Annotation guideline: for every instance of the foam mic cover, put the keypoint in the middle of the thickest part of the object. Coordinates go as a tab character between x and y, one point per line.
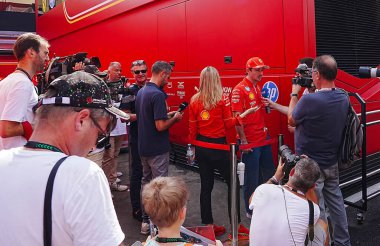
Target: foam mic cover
265	94
182	106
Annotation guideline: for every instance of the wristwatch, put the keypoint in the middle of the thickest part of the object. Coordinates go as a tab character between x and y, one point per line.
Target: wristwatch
293	95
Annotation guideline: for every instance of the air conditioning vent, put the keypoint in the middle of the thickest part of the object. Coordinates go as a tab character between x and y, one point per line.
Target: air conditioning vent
350	31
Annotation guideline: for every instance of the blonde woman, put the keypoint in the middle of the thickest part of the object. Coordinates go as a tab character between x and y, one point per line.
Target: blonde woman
209	118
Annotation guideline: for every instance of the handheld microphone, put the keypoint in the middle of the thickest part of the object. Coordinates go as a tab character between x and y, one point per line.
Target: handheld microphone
182	106
265	94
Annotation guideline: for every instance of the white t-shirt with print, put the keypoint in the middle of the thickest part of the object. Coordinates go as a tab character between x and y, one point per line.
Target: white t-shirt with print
269	224
82	208
17	99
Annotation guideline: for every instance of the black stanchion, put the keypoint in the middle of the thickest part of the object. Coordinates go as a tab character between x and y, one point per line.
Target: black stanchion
234	214
280	143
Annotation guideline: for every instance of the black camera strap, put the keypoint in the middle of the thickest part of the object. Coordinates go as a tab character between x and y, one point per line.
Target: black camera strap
24	72
47	203
310	233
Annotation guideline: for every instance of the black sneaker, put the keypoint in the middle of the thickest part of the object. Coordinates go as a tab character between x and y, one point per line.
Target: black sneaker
137	215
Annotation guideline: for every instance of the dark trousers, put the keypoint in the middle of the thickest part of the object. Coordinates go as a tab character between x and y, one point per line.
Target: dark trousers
208	160
135	170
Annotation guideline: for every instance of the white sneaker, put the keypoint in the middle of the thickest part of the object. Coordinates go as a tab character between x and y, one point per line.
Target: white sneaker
144	228
119	174
248	215
118	180
118	187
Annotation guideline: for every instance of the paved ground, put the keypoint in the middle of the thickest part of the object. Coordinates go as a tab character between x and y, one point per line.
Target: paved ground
366	234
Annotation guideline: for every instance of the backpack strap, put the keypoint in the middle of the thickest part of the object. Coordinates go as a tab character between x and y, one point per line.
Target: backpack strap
310	232
47	202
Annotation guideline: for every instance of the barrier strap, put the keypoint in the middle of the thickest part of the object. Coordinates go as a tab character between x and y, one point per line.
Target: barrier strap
227	147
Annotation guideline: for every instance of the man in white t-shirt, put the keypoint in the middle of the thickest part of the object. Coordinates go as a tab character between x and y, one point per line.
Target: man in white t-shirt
74	111
281	213
17	92
118	135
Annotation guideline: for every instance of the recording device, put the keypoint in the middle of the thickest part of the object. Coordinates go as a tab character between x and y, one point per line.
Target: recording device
303	77
63	65
182	106
369	72
128	94
290	160
265	94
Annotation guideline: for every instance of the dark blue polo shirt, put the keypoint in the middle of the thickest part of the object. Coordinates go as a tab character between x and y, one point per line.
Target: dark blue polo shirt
320	119
151	106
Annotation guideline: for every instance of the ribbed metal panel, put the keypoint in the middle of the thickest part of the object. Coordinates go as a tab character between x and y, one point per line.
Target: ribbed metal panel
349	30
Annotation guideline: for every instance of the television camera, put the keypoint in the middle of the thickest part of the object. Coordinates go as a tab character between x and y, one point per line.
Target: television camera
63	65
303	77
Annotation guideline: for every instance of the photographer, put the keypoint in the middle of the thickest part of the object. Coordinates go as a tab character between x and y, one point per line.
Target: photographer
319	119
117	136
17	92
284	210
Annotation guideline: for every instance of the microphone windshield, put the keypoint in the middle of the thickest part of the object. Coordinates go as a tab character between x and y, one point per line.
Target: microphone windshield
182	106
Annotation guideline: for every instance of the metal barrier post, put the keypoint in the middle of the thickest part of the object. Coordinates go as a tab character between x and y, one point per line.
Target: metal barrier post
364	155
280	143
234	212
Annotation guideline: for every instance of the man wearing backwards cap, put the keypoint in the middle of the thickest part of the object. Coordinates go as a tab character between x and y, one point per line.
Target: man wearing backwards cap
258	160
72	113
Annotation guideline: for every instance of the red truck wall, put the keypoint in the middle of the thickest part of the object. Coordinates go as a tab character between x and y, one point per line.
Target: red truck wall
193	34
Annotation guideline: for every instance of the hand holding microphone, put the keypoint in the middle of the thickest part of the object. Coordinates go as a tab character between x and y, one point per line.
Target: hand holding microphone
265	94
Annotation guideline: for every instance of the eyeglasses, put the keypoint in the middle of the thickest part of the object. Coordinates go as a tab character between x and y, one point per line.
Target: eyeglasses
103	135
139	71
138	63
101	132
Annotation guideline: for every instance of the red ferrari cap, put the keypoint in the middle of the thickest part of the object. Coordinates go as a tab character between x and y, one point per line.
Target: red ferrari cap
256	62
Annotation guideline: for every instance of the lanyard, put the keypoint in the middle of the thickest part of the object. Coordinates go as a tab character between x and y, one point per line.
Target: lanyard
169	240
24	72
294	190
38	145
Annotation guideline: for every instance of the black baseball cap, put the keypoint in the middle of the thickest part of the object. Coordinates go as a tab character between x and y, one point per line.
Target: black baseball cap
82	89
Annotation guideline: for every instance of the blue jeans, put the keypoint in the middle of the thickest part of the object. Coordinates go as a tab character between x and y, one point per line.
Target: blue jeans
330	195
259	167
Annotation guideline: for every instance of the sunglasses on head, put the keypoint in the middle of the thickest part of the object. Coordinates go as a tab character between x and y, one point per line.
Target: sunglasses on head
138	63
139	71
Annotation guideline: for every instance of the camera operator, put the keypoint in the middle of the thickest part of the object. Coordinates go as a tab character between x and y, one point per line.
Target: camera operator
17	92
139	71
319	119
117	136
284	210
67	125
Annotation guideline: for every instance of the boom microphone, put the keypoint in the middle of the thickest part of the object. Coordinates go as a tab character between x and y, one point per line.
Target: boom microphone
265	94
182	106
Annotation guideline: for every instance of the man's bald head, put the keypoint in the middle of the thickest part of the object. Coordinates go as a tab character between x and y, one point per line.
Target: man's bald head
326	66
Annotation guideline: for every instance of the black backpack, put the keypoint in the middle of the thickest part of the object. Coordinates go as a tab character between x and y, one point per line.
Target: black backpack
352	139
